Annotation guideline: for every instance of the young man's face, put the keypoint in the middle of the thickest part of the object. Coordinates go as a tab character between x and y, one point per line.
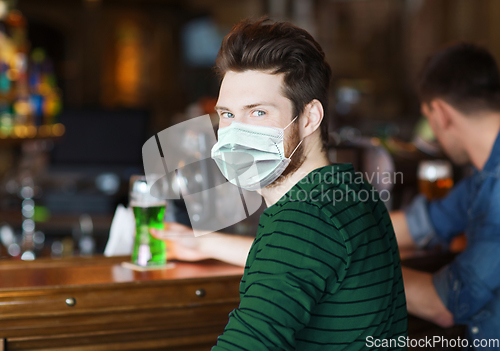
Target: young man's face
256	97
253	97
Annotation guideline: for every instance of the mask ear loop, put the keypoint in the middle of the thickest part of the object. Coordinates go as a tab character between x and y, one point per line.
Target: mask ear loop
289	157
300	142
293	120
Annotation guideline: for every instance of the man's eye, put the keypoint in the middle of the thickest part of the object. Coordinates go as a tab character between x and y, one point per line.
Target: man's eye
227	115
258	113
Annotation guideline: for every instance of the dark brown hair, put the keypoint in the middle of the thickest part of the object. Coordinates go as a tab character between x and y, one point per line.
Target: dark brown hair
280	47
465	75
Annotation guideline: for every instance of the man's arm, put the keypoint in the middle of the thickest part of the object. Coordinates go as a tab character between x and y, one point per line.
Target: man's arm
230	248
184	246
403	235
422	299
290	271
460	289
425	223
471	280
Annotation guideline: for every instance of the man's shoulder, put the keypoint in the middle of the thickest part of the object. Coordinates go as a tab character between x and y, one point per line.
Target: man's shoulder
304	221
326	186
301	213
335	193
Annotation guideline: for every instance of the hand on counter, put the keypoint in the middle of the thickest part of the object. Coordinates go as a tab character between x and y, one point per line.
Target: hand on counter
184	246
181	243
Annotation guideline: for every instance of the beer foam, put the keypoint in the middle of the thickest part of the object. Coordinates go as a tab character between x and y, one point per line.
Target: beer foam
433	170
147	203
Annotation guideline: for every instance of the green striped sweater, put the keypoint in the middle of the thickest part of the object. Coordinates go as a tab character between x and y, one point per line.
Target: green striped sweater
323	272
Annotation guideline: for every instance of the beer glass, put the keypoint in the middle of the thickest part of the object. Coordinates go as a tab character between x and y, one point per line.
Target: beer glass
435	178
149	212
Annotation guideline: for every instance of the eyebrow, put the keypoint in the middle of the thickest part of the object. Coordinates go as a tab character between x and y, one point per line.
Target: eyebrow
247	107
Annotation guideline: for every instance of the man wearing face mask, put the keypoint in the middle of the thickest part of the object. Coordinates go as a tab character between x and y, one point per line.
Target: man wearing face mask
323	272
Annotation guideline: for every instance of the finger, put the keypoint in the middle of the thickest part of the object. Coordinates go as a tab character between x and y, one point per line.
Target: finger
155	232
179	229
176	226
169	235
160	234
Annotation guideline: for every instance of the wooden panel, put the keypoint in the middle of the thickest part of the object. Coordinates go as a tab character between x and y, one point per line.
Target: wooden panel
194	317
133	339
116	298
116	309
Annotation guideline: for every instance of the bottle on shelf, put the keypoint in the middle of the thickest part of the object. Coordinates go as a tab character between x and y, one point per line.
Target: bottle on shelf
30	99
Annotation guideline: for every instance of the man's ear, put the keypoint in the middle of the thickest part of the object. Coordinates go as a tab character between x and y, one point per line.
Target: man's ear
312	117
442	113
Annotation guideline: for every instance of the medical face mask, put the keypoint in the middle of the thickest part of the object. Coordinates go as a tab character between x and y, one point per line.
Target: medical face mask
251	156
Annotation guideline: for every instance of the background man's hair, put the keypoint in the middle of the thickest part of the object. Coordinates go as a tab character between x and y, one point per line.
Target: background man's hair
465	75
280	47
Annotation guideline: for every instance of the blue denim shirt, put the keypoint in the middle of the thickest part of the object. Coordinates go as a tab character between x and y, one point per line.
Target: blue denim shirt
470	285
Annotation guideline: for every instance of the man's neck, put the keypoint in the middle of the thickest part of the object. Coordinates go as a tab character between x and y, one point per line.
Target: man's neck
480	138
312	161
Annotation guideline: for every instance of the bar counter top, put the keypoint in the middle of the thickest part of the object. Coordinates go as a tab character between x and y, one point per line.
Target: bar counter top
100	270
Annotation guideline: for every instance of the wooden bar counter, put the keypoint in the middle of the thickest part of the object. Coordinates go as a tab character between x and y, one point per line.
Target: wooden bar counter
96	304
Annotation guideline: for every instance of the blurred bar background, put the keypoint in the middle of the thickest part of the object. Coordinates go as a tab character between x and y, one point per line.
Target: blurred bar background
84	83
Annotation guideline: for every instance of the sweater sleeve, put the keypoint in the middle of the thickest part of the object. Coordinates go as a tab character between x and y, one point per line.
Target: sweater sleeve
298	257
